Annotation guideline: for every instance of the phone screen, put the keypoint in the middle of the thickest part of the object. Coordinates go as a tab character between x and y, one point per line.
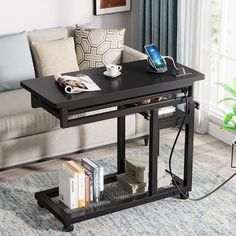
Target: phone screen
155	56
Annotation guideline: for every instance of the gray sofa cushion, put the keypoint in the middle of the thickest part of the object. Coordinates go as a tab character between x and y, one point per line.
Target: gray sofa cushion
18	118
15	61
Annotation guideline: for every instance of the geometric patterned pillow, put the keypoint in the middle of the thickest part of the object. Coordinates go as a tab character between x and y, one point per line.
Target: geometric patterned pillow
98	47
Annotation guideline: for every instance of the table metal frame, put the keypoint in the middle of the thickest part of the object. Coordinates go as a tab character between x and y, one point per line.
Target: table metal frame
124	108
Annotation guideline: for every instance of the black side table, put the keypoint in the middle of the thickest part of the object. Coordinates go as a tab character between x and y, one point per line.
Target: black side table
134	85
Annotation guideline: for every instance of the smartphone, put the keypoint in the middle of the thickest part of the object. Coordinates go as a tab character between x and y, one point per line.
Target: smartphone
155	57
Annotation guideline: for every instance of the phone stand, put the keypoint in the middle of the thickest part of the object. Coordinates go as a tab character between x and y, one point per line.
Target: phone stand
151	69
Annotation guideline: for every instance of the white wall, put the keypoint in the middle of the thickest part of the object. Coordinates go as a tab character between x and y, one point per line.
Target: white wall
19	15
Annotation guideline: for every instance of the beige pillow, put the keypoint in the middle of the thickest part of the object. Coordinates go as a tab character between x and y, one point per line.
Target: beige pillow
46	35
55	56
98	47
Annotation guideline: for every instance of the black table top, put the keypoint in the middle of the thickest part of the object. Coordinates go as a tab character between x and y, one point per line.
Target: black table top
135	81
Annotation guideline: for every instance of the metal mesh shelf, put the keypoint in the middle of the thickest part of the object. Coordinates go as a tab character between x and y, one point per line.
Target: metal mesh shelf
113	192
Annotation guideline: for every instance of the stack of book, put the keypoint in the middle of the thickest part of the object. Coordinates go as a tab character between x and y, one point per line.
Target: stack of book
135	179
80	185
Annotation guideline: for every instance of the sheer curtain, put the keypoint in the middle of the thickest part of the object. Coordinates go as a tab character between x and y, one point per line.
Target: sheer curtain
194	29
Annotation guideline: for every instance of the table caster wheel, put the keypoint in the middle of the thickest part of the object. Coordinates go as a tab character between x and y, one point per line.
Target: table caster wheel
68	228
184	196
40	204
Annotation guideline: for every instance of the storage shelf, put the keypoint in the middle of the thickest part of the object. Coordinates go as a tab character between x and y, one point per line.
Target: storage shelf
49	199
113	192
114	195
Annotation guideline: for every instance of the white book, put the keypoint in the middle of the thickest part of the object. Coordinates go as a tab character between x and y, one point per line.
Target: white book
67	192
80	175
166	110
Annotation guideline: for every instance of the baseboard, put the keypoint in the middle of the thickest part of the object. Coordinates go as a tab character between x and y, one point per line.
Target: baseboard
216	131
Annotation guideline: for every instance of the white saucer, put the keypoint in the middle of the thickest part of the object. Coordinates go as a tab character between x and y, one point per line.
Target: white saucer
111	76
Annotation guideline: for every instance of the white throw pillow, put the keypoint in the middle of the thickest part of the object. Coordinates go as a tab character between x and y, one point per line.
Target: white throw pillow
55	57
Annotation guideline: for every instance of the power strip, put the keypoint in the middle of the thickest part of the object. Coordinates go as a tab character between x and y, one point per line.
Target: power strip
177	74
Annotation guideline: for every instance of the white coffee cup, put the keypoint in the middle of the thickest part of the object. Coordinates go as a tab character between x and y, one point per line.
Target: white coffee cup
113	69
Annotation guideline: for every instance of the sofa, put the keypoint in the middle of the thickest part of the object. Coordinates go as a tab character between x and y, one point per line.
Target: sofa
28	135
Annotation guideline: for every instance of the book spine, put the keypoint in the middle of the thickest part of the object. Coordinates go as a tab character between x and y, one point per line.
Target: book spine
87	190
67	168
95	175
101	175
81	190
96	186
67	190
79	172
91	188
73	197
90	175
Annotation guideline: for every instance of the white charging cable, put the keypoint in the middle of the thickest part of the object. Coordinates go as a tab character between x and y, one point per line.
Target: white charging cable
178	69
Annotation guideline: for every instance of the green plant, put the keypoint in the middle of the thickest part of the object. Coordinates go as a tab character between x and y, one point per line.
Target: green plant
229	123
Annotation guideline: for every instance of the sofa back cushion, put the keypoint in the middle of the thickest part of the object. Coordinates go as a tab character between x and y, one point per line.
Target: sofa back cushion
98	47
55	56
15	61
45	35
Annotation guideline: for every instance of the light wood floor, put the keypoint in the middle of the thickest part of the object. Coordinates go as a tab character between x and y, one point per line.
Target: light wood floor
210	152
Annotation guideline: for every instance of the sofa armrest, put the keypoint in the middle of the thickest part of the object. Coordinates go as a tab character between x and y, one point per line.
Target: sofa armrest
130	54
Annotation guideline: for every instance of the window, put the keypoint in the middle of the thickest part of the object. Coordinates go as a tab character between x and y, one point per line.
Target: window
219	46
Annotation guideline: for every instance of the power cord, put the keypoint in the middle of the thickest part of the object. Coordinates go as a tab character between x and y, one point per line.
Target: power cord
171	154
178	69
